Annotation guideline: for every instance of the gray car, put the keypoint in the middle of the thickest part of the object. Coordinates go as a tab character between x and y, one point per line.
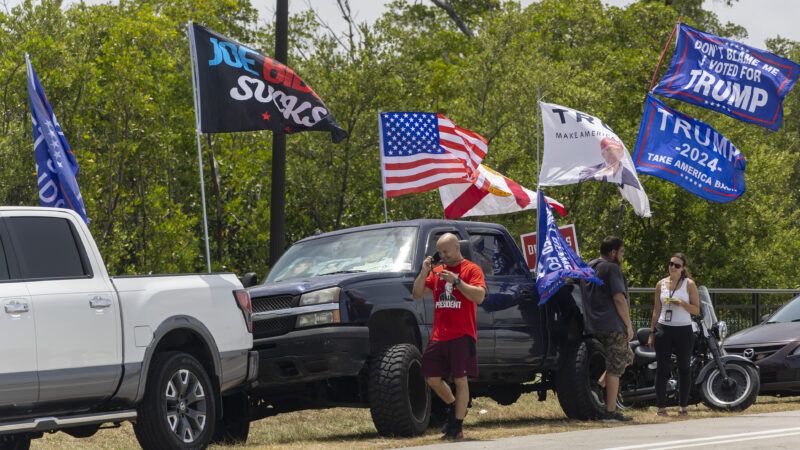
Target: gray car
774	345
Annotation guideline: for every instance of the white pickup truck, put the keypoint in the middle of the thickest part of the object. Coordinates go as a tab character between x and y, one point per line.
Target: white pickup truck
79	349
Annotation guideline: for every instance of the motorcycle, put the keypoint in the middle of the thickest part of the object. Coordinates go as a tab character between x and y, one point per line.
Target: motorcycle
720	381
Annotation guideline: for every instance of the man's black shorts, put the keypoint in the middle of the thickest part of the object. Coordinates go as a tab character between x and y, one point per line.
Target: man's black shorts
455	358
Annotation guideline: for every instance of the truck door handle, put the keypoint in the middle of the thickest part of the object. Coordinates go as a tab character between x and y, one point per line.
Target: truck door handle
100	302
16	307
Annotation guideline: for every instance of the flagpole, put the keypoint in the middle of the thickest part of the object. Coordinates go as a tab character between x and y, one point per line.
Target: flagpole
539	127
195	89
383	174
538	134
664	52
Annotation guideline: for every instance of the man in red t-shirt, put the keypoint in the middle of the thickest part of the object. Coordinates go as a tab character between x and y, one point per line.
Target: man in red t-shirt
457	289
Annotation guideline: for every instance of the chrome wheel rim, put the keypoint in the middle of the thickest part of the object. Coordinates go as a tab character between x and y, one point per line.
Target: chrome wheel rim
185	401
730	396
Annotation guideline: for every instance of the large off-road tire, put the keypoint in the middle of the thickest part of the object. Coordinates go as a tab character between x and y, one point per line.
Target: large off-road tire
399	398
575	383
734	398
15	442
234	425
179	406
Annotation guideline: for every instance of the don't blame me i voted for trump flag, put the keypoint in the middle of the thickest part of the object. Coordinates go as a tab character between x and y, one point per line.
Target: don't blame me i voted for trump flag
243	90
728	77
579	147
56	166
689	153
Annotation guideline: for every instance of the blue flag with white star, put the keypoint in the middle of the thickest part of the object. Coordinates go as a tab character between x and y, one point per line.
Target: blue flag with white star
56	166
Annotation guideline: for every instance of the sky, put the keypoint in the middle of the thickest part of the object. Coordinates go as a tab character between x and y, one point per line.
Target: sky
762	18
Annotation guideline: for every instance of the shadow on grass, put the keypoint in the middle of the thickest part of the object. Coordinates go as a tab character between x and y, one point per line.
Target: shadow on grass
510	423
524	422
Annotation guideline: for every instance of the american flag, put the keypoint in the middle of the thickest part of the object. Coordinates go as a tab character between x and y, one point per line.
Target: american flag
422	151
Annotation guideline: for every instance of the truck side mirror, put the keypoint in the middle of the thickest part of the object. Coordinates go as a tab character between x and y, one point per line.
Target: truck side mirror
765	317
249	279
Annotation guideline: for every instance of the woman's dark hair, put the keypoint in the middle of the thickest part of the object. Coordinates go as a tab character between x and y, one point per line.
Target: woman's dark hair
685	269
610	244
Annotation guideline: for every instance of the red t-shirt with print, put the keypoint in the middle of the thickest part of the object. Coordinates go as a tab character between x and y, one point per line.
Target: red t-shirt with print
454	314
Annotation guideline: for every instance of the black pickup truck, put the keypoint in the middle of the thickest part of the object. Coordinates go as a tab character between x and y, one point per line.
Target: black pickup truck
335	324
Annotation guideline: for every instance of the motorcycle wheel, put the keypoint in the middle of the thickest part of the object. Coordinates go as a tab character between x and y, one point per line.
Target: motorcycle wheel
736	396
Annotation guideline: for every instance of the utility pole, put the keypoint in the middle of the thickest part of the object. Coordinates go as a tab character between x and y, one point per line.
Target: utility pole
277	221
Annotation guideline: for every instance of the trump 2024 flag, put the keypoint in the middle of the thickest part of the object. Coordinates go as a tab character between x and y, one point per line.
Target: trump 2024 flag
556	261
579	147
56	166
689	153
492	193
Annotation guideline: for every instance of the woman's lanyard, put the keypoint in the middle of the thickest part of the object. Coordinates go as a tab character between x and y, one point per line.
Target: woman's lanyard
668	312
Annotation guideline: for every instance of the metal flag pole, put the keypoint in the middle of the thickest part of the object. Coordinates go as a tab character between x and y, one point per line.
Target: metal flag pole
277	207
664	52
383	174
539	126
196	92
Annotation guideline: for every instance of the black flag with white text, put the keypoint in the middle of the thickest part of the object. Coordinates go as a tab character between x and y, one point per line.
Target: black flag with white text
240	89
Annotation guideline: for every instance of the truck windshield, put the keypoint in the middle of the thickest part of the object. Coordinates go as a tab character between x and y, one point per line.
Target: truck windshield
380	250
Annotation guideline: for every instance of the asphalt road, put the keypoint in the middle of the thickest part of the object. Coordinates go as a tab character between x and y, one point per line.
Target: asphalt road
771	431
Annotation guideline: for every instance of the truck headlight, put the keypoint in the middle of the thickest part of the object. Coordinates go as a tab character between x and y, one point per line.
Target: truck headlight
329	295
318	318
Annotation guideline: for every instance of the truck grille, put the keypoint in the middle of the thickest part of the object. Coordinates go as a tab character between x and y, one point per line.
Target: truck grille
273	327
278	326
263	304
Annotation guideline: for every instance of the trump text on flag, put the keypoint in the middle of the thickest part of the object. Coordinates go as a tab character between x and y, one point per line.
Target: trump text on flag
689	153
729	77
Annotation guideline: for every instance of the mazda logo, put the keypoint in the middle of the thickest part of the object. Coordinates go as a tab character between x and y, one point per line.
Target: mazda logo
749	353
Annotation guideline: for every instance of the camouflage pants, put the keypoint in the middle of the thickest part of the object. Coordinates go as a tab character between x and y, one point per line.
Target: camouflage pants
617	349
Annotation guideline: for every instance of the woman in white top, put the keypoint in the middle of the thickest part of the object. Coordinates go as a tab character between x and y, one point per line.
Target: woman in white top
676	300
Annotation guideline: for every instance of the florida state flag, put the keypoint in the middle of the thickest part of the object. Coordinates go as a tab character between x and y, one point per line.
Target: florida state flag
490	193
240	89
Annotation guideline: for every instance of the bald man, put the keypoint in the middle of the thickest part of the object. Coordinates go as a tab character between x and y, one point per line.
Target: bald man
457	288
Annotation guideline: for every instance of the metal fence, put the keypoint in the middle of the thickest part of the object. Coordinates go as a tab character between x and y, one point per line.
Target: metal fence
739	308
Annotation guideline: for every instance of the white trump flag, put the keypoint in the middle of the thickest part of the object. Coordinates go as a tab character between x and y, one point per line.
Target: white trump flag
579	147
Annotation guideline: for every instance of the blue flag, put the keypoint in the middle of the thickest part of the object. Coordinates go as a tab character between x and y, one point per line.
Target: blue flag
689	153
556	260
56	166
728	77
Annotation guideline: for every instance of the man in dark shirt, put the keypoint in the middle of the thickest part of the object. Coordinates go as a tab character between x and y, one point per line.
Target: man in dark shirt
608	313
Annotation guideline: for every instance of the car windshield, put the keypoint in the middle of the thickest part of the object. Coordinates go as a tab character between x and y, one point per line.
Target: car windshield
379	250
789	313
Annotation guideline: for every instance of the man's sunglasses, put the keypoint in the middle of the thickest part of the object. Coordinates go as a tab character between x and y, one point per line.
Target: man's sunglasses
675	265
